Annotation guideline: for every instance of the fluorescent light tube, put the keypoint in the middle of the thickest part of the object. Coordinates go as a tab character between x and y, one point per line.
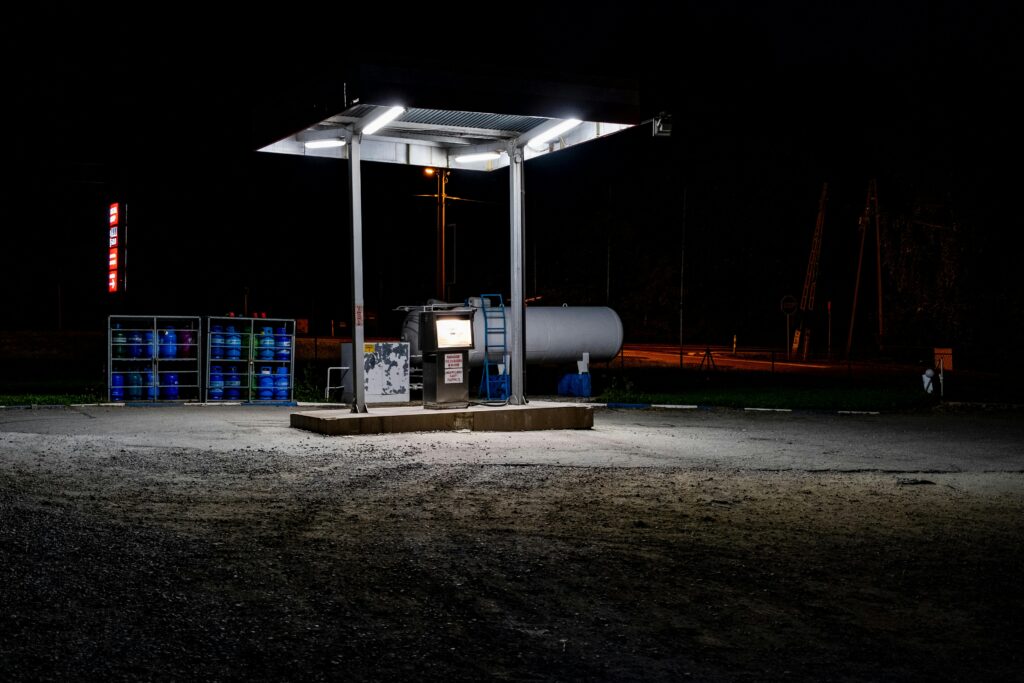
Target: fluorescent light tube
382	120
322	144
482	156
552	133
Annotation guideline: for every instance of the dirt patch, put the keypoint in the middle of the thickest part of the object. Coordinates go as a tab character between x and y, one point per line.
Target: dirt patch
353	562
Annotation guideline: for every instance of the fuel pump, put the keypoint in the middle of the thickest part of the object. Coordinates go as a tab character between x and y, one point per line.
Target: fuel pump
446	338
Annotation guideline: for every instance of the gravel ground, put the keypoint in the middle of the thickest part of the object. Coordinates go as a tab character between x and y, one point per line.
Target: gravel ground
159	544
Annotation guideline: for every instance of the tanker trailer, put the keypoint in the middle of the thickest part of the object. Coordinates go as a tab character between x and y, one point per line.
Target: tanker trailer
554	334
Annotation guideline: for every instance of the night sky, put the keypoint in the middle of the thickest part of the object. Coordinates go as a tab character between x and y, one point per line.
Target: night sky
163	110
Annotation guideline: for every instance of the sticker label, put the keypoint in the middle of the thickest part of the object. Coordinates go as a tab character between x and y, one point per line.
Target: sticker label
453	368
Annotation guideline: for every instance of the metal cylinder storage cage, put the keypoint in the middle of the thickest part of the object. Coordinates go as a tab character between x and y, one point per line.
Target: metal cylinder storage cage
153	358
250	360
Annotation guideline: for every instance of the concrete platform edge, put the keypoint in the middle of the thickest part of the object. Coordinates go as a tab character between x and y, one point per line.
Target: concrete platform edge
509	419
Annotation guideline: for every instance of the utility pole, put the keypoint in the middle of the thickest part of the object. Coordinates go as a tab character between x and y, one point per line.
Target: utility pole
870	214
442	204
442	198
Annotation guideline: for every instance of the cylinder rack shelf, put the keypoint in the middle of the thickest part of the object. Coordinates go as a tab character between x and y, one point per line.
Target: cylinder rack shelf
250	360
153	358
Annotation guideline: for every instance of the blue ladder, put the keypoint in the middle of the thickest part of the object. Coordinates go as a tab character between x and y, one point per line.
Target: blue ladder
494	383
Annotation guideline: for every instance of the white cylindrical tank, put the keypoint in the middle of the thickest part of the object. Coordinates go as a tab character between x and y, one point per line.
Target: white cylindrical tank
554	334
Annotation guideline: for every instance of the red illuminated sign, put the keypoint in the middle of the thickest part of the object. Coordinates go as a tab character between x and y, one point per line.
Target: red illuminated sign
114	274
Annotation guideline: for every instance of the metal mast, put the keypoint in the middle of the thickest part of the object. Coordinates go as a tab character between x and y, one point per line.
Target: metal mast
803	331
869	215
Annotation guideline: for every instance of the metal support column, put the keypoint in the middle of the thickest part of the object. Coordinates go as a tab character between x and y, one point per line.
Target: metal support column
355	193
516	301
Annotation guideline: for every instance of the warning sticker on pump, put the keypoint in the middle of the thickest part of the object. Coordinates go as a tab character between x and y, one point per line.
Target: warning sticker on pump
453	368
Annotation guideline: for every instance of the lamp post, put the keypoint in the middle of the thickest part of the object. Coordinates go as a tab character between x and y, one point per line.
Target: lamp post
442	205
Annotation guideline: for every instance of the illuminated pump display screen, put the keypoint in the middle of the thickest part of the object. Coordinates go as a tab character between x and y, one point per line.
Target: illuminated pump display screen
454	333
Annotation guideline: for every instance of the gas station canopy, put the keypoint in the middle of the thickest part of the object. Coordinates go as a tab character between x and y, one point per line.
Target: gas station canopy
443	111
452	128
472	141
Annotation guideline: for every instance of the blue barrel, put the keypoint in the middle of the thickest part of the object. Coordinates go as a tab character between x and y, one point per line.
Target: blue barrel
116	386
168	343
149	346
281	384
135	344
216	383
283	347
147	381
118	342
134	385
267	344
232	384
169	388
233	341
216	341
265	384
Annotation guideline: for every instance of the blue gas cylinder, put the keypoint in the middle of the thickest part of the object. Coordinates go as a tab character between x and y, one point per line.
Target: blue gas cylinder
232	384
265	384
281	384
116	386
118	342
134	385
267	344
147	380
283	348
149	348
216	341
169	389
168	343
216	383
233	342
135	344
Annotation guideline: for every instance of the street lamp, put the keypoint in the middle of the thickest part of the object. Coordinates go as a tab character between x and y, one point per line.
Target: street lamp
442	204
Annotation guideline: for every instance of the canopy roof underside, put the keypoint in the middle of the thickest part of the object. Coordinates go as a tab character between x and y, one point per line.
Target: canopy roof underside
440	137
